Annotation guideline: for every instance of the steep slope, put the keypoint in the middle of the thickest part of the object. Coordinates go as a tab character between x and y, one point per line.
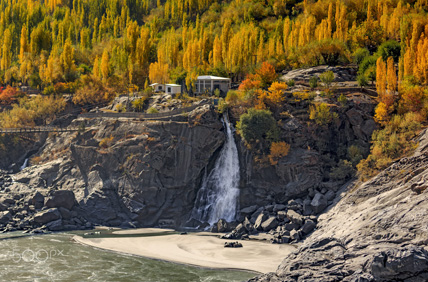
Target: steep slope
375	232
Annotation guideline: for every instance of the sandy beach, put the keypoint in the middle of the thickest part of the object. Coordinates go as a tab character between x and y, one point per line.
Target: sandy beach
199	249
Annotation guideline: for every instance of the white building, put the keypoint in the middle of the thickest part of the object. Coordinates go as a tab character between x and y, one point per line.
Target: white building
208	84
173	88
158	87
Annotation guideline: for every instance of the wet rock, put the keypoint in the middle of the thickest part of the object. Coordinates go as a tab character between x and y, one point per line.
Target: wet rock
232	245
269	224
61	198
214	228
319	203
47	216
222	226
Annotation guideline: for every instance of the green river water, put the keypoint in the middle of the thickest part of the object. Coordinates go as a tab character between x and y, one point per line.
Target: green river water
55	257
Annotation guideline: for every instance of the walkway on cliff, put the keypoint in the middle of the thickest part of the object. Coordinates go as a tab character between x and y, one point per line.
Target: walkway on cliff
43	129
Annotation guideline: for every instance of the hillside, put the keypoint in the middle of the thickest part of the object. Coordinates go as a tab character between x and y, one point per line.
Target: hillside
375	231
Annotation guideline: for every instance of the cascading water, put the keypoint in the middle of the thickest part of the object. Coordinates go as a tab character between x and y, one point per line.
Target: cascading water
218	196
24	165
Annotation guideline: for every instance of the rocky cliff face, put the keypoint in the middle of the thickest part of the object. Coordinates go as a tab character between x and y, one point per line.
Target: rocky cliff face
376	231
121	173
315	150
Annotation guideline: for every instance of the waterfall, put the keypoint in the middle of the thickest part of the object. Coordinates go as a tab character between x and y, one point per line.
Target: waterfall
24	165
218	196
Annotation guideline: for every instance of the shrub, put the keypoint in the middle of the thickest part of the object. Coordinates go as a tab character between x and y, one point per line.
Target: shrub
313	82
278	150
257	126
321	114
152	111
251	82
391	143
106	142
305	95
362	80
327	78
360	54
343	171
342	100
232	97
49	90
139	103
93	92
366	64
291	82
120	108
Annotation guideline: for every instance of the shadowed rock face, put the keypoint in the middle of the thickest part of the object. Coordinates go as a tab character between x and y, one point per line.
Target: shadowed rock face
376	232
145	174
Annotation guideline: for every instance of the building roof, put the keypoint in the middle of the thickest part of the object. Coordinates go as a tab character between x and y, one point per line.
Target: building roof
174	85
211	77
154	84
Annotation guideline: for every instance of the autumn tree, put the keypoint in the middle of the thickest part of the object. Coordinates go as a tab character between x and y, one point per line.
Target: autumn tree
266	74
158	72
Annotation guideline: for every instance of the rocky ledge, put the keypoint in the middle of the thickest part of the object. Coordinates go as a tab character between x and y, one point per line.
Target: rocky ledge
375	232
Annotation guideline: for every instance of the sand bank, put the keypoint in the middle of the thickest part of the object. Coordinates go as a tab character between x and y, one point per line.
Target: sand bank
199	249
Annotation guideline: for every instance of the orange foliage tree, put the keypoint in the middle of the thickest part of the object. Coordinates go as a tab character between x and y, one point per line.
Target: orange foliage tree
278	150
8	95
266	74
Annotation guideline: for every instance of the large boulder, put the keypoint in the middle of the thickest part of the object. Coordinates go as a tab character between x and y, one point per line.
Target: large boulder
46	216
294	217
309	226
269	223
61	198
260	219
319	203
223	226
399	264
55	225
37	200
5	217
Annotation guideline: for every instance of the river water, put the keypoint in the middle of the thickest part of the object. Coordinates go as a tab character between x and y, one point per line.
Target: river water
55	257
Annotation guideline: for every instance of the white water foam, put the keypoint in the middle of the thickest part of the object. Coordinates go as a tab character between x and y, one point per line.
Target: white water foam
219	193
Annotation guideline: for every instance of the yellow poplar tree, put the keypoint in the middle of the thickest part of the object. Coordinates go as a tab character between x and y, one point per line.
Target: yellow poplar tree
105	65
391	76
